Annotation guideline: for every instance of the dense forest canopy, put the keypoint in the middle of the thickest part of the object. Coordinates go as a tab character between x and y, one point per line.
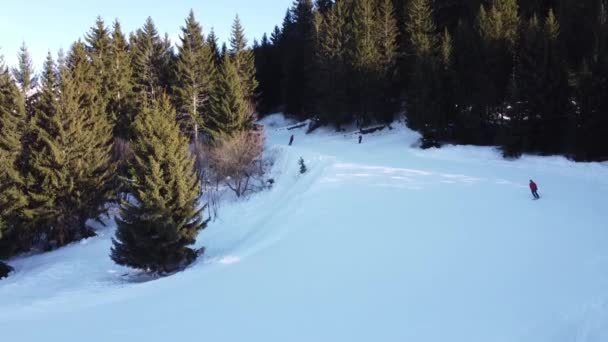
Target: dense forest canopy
528	75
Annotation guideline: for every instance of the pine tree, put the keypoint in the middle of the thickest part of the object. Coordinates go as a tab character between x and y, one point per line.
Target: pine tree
364	58
542	86
149	57
422	106
46	102
387	38
498	28
195	69
298	50
120	84
243	59
331	76
25	76
154	231
214	47
13	198
72	171
447	106
229	112
99	49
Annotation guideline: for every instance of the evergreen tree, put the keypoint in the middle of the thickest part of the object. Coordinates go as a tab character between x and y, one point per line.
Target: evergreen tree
99	49
243	59
154	231
13	198
120	84
25	76
423	110
331	76
149	57
447	84
229	112
365	90
195	69
214	48
542	87
498	27
46	102
387	38
298	58
71	173
267	63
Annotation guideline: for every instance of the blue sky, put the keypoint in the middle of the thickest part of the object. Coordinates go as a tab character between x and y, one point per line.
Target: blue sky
55	24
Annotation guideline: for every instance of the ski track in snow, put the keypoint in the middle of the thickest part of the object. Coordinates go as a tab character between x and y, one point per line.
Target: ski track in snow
376	242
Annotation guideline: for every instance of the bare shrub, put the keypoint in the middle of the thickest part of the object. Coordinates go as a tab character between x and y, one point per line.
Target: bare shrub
236	160
121	151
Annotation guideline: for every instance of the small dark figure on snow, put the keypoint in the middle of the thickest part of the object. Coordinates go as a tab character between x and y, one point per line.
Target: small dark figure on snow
534	189
303	168
291	140
360	138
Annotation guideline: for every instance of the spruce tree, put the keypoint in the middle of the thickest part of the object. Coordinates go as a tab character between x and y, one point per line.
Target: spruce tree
212	43
229	111
194	70
13	196
120	84
99	49
149	57
25	76
364	56
498	28
243	59
446	85
155	230
422	106
298	50
71	173
331	76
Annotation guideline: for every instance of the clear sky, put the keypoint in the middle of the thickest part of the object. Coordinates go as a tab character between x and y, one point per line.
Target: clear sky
54	24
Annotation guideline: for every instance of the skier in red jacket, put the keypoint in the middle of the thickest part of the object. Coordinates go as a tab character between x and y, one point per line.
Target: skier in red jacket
534	189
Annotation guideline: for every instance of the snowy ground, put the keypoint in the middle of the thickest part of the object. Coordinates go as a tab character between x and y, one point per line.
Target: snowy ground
377	242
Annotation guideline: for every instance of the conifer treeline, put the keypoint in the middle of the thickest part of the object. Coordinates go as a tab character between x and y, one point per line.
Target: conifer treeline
530	76
116	114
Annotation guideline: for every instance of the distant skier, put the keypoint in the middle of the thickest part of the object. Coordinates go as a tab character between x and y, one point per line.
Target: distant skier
360	138
534	189
291	140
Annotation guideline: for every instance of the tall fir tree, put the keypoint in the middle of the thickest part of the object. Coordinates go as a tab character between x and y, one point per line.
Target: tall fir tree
364	57
229	111
120	84
149	57
298	58
212	43
25	76
387	41
331	73
243	60
99	49
195	70
155	230
423	110
498	28
72	171
13	196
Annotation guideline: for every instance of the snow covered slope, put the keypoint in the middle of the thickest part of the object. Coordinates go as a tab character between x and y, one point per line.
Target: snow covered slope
376	242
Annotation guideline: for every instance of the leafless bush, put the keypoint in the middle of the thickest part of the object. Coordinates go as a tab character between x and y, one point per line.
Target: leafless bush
121	151
236	160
